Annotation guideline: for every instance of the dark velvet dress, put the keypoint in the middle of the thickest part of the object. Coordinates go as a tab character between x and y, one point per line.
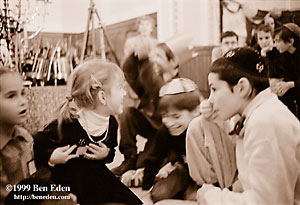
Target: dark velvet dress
90	180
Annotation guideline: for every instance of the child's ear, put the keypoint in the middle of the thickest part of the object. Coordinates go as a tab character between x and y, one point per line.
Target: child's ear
291	42
102	97
243	88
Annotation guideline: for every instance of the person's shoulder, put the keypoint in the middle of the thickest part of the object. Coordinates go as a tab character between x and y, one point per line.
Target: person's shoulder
22	132
216	53
217	50
270	113
197	121
196	125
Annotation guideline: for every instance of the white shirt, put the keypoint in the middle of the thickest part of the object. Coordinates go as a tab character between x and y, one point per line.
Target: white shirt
268	156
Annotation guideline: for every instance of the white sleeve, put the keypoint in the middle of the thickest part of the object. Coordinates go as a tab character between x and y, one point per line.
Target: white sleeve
271	171
197	154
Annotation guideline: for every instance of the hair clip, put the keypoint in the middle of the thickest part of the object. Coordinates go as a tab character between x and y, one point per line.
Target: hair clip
95	83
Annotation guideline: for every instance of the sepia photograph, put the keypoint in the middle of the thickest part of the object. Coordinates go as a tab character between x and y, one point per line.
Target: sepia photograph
167	102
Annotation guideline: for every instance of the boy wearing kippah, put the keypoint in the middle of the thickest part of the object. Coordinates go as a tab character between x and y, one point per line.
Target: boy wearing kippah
285	72
178	104
268	134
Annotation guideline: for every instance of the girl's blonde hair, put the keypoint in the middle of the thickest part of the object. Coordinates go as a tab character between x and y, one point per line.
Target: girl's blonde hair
85	82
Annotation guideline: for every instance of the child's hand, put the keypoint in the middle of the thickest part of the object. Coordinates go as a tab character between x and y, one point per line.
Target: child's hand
265	50
280	87
206	109
201	193
274	82
98	152
133	177
165	171
62	154
138	177
127	177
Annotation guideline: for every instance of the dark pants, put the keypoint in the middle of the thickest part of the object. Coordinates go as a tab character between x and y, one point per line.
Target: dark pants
177	185
133	122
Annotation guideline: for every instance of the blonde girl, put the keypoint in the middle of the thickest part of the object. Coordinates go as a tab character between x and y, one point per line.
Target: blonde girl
77	145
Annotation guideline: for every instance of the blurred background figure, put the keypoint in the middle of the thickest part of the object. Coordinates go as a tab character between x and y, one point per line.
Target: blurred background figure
229	40
145	26
145	39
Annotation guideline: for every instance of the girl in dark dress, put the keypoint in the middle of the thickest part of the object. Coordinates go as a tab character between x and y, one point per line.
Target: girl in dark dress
77	145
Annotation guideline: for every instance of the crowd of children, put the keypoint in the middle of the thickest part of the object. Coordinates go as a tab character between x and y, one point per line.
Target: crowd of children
239	146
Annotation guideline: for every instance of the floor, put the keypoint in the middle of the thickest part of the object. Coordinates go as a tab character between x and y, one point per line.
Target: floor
145	195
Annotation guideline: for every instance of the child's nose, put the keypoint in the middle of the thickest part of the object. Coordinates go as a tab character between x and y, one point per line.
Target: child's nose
167	121
23	100
210	99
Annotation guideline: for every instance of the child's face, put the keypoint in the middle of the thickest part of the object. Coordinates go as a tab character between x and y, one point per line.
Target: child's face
162	66
145	27
13	102
281	45
177	121
115	98
270	22
264	39
225	102
228	43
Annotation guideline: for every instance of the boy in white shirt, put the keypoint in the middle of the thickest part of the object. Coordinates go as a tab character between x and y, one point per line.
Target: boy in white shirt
268	134
229	40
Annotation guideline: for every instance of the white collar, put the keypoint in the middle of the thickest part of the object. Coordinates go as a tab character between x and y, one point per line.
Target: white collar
93	123
258	100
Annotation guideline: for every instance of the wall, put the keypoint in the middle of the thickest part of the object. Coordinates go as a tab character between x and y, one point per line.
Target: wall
70	16
198	18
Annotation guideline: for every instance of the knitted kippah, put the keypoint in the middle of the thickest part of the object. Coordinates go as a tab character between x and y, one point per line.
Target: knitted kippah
178	85
247	60
293	28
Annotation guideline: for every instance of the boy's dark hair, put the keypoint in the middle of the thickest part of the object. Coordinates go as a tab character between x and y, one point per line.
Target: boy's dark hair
265	28
181	101
242	62
285	34
228	34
